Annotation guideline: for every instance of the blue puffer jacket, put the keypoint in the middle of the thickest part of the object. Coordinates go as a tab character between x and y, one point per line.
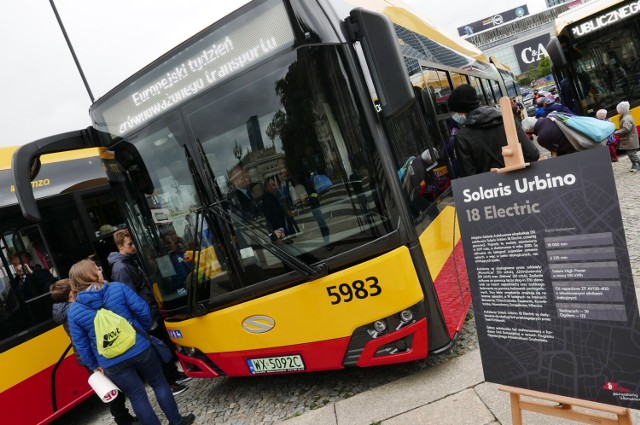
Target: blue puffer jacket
118	298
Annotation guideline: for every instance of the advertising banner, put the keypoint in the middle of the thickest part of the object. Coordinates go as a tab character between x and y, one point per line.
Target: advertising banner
493	21
551	281
531	51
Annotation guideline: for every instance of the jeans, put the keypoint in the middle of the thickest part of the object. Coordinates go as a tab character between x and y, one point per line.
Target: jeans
128	376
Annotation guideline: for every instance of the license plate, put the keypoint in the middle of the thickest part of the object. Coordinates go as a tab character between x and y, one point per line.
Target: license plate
276	364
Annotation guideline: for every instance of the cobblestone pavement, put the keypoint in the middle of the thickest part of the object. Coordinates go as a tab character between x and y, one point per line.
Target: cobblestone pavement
271	399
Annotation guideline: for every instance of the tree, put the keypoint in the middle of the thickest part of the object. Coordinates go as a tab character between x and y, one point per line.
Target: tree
544	67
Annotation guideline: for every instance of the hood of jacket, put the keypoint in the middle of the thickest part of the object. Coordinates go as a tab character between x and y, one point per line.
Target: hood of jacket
483	117
92	298
114	257
59	312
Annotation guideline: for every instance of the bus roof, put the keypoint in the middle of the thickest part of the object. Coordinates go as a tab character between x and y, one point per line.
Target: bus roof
581	12
402	14
6	153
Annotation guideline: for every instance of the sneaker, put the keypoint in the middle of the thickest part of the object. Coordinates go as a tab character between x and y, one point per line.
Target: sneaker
177	388
188	420
181	378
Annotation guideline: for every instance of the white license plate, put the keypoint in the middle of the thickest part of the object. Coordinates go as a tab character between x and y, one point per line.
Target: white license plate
276	364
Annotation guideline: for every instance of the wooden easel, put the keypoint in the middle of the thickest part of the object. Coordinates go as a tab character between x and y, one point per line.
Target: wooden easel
564	408
512	153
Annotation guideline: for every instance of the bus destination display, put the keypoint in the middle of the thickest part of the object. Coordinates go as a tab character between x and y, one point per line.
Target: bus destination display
551	280
209	61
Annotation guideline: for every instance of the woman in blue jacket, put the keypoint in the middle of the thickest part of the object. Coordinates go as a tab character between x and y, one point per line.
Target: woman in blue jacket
140	361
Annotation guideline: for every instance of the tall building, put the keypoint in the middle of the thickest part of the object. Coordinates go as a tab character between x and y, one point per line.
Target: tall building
255	135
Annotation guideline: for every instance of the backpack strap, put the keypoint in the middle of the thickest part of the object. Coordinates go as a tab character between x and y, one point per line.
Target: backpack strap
492	154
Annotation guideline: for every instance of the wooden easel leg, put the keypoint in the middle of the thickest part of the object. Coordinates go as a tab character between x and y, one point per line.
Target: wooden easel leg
516	413
625	418
564	408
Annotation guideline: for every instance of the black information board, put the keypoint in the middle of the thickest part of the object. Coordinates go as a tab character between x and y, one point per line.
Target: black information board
551	280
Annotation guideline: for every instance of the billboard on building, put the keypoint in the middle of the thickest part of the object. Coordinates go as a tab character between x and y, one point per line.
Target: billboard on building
530	52
493	21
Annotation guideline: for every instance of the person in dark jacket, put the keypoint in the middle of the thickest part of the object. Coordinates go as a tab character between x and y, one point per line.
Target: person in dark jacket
61	295
278	220
482	134
140	361
125	269
32	284
549	136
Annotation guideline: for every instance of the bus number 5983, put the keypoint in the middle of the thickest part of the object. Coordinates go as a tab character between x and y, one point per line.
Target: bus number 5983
358	289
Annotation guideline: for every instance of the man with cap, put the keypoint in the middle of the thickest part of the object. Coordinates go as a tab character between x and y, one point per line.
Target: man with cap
482	136
551	105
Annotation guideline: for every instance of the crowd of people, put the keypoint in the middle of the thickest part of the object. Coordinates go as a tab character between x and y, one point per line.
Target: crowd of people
480	133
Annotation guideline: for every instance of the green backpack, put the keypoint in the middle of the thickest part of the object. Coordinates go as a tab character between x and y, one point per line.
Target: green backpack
114	335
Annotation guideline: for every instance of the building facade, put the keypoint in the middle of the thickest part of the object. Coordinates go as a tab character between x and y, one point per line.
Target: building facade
521	43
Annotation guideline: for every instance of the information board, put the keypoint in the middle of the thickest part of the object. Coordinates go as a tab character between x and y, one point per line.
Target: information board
551	280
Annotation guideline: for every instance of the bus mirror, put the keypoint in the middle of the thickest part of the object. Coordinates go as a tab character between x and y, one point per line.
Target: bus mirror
129	158
382	52
26	165
556	53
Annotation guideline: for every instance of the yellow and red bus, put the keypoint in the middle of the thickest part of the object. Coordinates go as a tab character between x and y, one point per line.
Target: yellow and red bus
286	175
596	56
36	362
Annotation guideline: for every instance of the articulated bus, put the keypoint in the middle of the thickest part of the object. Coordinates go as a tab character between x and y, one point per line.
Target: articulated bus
36	363
285	174
597	50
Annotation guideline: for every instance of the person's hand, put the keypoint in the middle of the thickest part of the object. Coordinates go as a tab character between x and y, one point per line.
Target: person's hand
99	369
28	269
279	233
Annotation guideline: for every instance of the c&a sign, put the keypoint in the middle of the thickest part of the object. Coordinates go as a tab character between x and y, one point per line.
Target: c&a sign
531	51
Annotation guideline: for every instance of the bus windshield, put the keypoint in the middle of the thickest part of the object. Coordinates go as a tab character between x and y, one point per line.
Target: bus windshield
290	167
602	50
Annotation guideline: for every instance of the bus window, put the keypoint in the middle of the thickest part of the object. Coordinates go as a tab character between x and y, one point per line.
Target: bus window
157	159
475	83
274	154
491	100
458	79
313	194
608	69
24	293
495	89
439	87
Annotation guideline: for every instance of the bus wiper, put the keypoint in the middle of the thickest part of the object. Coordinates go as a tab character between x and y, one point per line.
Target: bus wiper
287	259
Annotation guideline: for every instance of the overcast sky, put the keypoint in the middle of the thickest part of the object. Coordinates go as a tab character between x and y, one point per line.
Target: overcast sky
41	91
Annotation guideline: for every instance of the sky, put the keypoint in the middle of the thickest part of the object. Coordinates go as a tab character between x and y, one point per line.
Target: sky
41	91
